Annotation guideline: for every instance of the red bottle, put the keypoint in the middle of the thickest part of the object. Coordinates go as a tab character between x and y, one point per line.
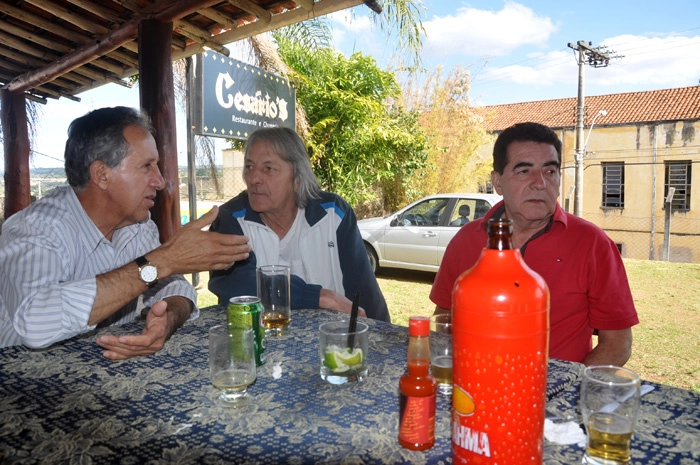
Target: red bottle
417	390
500	330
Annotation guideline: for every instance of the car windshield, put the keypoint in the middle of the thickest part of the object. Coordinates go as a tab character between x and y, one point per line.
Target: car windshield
426	213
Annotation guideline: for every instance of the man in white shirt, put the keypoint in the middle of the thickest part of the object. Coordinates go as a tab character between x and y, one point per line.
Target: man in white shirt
89	254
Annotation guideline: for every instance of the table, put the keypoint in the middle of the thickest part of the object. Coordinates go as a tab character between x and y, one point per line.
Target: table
68	404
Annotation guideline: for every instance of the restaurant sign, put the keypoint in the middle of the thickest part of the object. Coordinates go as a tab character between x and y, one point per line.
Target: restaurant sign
232	98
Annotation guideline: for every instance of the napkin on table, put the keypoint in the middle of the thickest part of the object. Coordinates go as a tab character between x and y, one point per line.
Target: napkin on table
565	432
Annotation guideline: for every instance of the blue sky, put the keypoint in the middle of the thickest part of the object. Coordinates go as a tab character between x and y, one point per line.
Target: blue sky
516	51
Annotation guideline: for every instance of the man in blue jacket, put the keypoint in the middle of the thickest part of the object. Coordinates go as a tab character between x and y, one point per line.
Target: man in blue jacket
290	221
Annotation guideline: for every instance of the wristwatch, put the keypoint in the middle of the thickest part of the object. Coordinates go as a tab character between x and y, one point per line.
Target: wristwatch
147	272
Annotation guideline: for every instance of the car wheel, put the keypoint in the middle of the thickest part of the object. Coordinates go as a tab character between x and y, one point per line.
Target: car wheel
372	256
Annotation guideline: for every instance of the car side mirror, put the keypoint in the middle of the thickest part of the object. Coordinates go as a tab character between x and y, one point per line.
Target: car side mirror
395	221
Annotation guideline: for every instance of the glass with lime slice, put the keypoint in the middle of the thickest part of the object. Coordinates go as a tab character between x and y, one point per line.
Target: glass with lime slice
341	364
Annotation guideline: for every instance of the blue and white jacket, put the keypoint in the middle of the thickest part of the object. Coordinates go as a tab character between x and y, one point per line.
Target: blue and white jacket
332	251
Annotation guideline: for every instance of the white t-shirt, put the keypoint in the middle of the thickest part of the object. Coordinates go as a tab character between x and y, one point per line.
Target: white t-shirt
290	254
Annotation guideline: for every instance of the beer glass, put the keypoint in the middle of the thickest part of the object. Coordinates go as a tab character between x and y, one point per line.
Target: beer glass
274	293
441	351
609	405
231	364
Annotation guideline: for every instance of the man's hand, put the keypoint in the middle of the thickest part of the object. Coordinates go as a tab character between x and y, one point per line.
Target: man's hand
161	323
334	301
191	250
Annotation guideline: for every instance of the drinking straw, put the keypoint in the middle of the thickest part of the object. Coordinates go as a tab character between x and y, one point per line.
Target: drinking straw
353	320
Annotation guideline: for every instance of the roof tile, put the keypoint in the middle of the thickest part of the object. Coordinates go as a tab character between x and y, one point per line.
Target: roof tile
677	104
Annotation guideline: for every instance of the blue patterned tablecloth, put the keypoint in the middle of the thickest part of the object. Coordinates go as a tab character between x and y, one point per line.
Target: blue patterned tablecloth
68	404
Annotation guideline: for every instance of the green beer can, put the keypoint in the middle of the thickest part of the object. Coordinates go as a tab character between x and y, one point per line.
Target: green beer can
246	312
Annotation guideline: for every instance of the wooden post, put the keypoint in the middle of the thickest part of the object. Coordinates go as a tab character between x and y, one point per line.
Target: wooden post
16	149
157	98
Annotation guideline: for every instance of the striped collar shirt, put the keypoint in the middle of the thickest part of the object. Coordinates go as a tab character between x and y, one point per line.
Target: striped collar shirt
50	255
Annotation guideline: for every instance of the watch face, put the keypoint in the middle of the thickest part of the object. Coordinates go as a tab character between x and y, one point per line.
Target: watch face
149	273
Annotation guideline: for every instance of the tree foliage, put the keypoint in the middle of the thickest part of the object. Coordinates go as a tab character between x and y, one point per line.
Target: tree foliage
454	130
357	140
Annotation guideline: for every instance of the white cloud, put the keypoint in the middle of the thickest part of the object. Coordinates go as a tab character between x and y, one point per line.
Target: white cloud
473	32
541	70
648	63
670	61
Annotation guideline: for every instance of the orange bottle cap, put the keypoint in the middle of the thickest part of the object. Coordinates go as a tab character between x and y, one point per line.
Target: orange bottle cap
419	326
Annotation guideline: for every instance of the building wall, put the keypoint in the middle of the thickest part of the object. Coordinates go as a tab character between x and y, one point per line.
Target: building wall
638	228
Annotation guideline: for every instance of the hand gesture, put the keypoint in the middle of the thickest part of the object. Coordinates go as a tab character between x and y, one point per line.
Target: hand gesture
192	249
155	332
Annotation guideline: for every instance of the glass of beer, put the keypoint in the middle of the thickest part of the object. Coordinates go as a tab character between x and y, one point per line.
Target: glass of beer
274	293
609	405
441	351
231	364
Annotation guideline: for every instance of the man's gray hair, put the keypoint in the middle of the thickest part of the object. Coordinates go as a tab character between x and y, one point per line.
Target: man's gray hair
287	144
99	135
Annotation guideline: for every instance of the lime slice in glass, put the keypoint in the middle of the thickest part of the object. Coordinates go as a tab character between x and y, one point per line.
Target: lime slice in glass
341	359
350	358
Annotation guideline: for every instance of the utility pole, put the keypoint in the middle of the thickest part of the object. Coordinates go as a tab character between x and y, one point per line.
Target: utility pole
586	55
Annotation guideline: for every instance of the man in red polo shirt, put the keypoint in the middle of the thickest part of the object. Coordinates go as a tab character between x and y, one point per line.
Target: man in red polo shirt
580	263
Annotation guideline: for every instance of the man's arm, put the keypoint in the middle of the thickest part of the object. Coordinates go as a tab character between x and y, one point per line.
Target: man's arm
441	310
614	348
189	250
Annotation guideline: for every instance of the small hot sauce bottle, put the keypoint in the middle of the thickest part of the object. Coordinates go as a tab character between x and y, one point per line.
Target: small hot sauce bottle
417	390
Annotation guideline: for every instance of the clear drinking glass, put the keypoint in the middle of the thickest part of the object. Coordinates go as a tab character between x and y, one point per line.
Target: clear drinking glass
343	353
274	293
441	351
231	364
609	405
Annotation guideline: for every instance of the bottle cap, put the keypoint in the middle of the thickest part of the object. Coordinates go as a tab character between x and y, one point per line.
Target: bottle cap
419	326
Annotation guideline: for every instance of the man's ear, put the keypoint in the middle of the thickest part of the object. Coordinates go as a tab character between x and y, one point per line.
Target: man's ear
99	174
496	182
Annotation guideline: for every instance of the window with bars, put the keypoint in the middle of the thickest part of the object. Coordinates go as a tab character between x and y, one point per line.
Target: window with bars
678	175
613	185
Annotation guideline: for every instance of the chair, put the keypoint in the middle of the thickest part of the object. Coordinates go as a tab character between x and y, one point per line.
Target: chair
463	219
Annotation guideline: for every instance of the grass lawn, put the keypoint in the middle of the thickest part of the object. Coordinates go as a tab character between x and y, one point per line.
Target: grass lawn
667	296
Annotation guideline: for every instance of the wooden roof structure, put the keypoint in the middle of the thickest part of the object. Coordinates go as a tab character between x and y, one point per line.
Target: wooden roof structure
60	48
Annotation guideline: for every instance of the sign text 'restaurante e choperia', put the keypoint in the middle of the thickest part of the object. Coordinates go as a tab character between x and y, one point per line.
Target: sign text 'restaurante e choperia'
233	99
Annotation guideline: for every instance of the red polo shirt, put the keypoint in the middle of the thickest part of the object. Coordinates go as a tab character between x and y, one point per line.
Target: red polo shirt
581	265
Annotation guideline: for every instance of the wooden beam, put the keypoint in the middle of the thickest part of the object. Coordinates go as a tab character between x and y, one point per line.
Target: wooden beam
157	97
68	16
220	18
98	10
305	4
321	8
254	9
125	33
16	146
200	35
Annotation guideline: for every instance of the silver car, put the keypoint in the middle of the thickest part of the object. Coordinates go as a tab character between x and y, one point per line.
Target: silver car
416	236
